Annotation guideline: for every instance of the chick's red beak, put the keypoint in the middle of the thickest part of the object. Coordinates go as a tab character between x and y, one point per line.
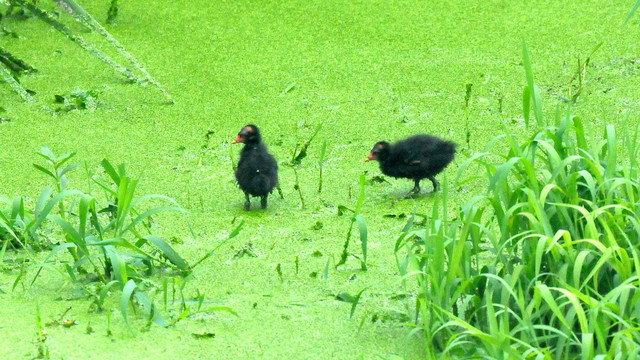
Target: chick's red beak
370	157
239	139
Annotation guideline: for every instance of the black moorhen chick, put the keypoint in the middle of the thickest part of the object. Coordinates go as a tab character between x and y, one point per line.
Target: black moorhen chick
417	157
257	172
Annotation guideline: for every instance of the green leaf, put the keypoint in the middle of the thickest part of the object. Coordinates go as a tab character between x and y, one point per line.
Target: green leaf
532	89
635	7
297	160
612	151
42	200
167	251
5	223
68	168
353	300
149	213
108	168
361	196
362	227
526	105
355	303
233	234
56	249
119	266
4	247
46	153
17	209
104	291
42	169
120	242
146	302
502	172
64	158
288	88
323	150
49	205
85	210
473	159
125	298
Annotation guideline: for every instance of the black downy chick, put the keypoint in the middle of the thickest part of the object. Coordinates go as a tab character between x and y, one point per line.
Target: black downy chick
416	158
257	172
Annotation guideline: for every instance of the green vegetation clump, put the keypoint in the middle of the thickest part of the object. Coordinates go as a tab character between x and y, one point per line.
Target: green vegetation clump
78	100
109	241
546	263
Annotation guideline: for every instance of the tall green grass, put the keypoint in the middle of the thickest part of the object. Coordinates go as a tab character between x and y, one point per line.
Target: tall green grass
544	264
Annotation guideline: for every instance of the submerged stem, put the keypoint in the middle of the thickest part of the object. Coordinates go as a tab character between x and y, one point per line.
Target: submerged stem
15	85
90	22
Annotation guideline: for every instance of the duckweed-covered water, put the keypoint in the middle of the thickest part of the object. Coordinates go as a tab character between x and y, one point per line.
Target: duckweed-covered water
367	70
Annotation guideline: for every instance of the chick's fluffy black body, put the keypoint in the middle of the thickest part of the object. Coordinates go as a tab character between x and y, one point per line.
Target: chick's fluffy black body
417	157
257	172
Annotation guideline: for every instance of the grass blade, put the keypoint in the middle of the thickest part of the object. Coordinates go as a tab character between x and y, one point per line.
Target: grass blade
362	227
355	302
534	92
125	299
167	251
147	303
635	7
233	234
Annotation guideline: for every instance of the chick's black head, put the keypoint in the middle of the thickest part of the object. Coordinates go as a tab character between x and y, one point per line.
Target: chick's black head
248	135
379	152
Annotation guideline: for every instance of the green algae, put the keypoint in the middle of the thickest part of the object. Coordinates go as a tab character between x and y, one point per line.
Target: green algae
366	70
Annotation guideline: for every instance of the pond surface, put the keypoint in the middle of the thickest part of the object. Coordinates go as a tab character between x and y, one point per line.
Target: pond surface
366	70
